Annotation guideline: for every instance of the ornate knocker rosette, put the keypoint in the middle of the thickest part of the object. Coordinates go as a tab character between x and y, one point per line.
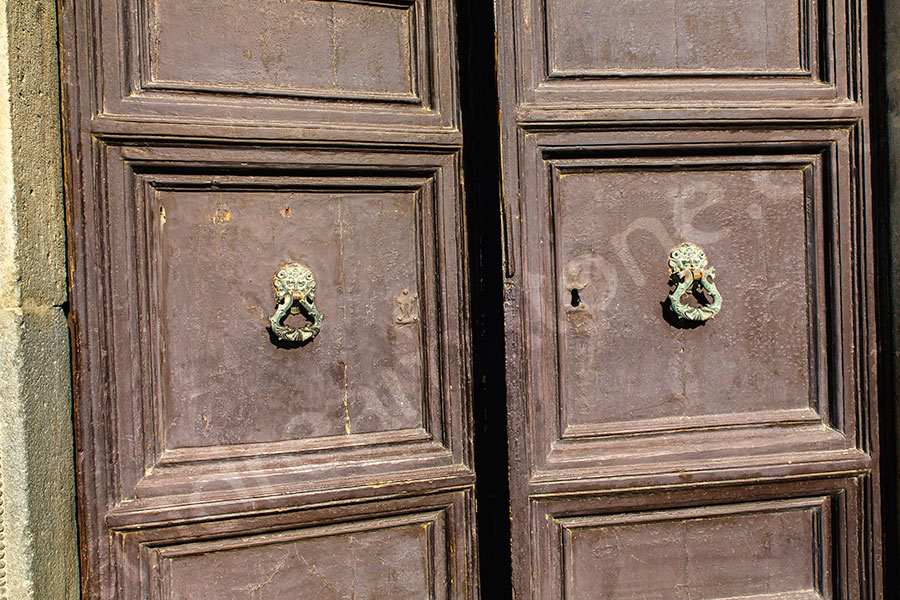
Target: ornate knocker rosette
295	287
689	267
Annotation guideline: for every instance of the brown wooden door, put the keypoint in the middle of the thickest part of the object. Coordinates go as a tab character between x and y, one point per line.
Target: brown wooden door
210	143
652	456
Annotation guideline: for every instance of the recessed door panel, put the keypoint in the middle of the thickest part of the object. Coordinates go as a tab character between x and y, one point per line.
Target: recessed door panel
614	230
400	557
358	48
587	37
772	547
591	54
237	69
694	554
225	381
399	548
215	381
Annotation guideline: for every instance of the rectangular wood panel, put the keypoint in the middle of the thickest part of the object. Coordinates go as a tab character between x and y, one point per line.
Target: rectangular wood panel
597	241
233	67
595	53
398	557
415	547
213	383
697	554
614	222
683	37
700	553
363	249
691	543
271	47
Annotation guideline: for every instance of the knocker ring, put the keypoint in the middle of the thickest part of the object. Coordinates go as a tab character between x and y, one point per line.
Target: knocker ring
295	287
688	266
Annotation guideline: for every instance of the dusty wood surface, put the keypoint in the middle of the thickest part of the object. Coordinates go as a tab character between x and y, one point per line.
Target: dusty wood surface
207	146
651	458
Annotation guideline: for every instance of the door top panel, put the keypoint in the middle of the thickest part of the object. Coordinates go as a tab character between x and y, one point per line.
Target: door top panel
691	37
359	51
614	53
377	64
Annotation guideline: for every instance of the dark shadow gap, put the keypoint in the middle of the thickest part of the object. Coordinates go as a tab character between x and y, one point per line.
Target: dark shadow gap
481	164
887	283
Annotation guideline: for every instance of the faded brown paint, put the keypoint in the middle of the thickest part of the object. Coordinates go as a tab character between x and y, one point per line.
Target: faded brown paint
363	373
589	37
763	550
629	127
647	458
662	544
215	460
617	227
282	47
389	560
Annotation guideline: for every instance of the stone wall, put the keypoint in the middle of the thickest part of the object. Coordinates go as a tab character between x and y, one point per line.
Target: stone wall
40	559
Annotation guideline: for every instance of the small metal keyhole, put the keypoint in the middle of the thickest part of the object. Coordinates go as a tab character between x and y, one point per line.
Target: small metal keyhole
576	299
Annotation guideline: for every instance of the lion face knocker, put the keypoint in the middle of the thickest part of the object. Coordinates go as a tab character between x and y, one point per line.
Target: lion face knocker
688	266
295	288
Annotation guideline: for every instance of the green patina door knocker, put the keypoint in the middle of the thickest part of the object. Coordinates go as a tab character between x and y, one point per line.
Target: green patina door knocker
688	267
295	287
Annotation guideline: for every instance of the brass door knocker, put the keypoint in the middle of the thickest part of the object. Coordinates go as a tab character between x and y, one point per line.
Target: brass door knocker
295	287
688	265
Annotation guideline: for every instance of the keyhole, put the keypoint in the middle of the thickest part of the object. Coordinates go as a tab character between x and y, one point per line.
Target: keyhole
576	299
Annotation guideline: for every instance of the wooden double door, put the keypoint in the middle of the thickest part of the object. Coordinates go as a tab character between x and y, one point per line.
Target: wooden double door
311	355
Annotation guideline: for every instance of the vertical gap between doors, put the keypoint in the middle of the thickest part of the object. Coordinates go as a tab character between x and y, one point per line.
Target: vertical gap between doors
481	168
886	220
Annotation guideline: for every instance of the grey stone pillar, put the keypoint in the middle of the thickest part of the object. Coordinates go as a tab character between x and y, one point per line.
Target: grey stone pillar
40	558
